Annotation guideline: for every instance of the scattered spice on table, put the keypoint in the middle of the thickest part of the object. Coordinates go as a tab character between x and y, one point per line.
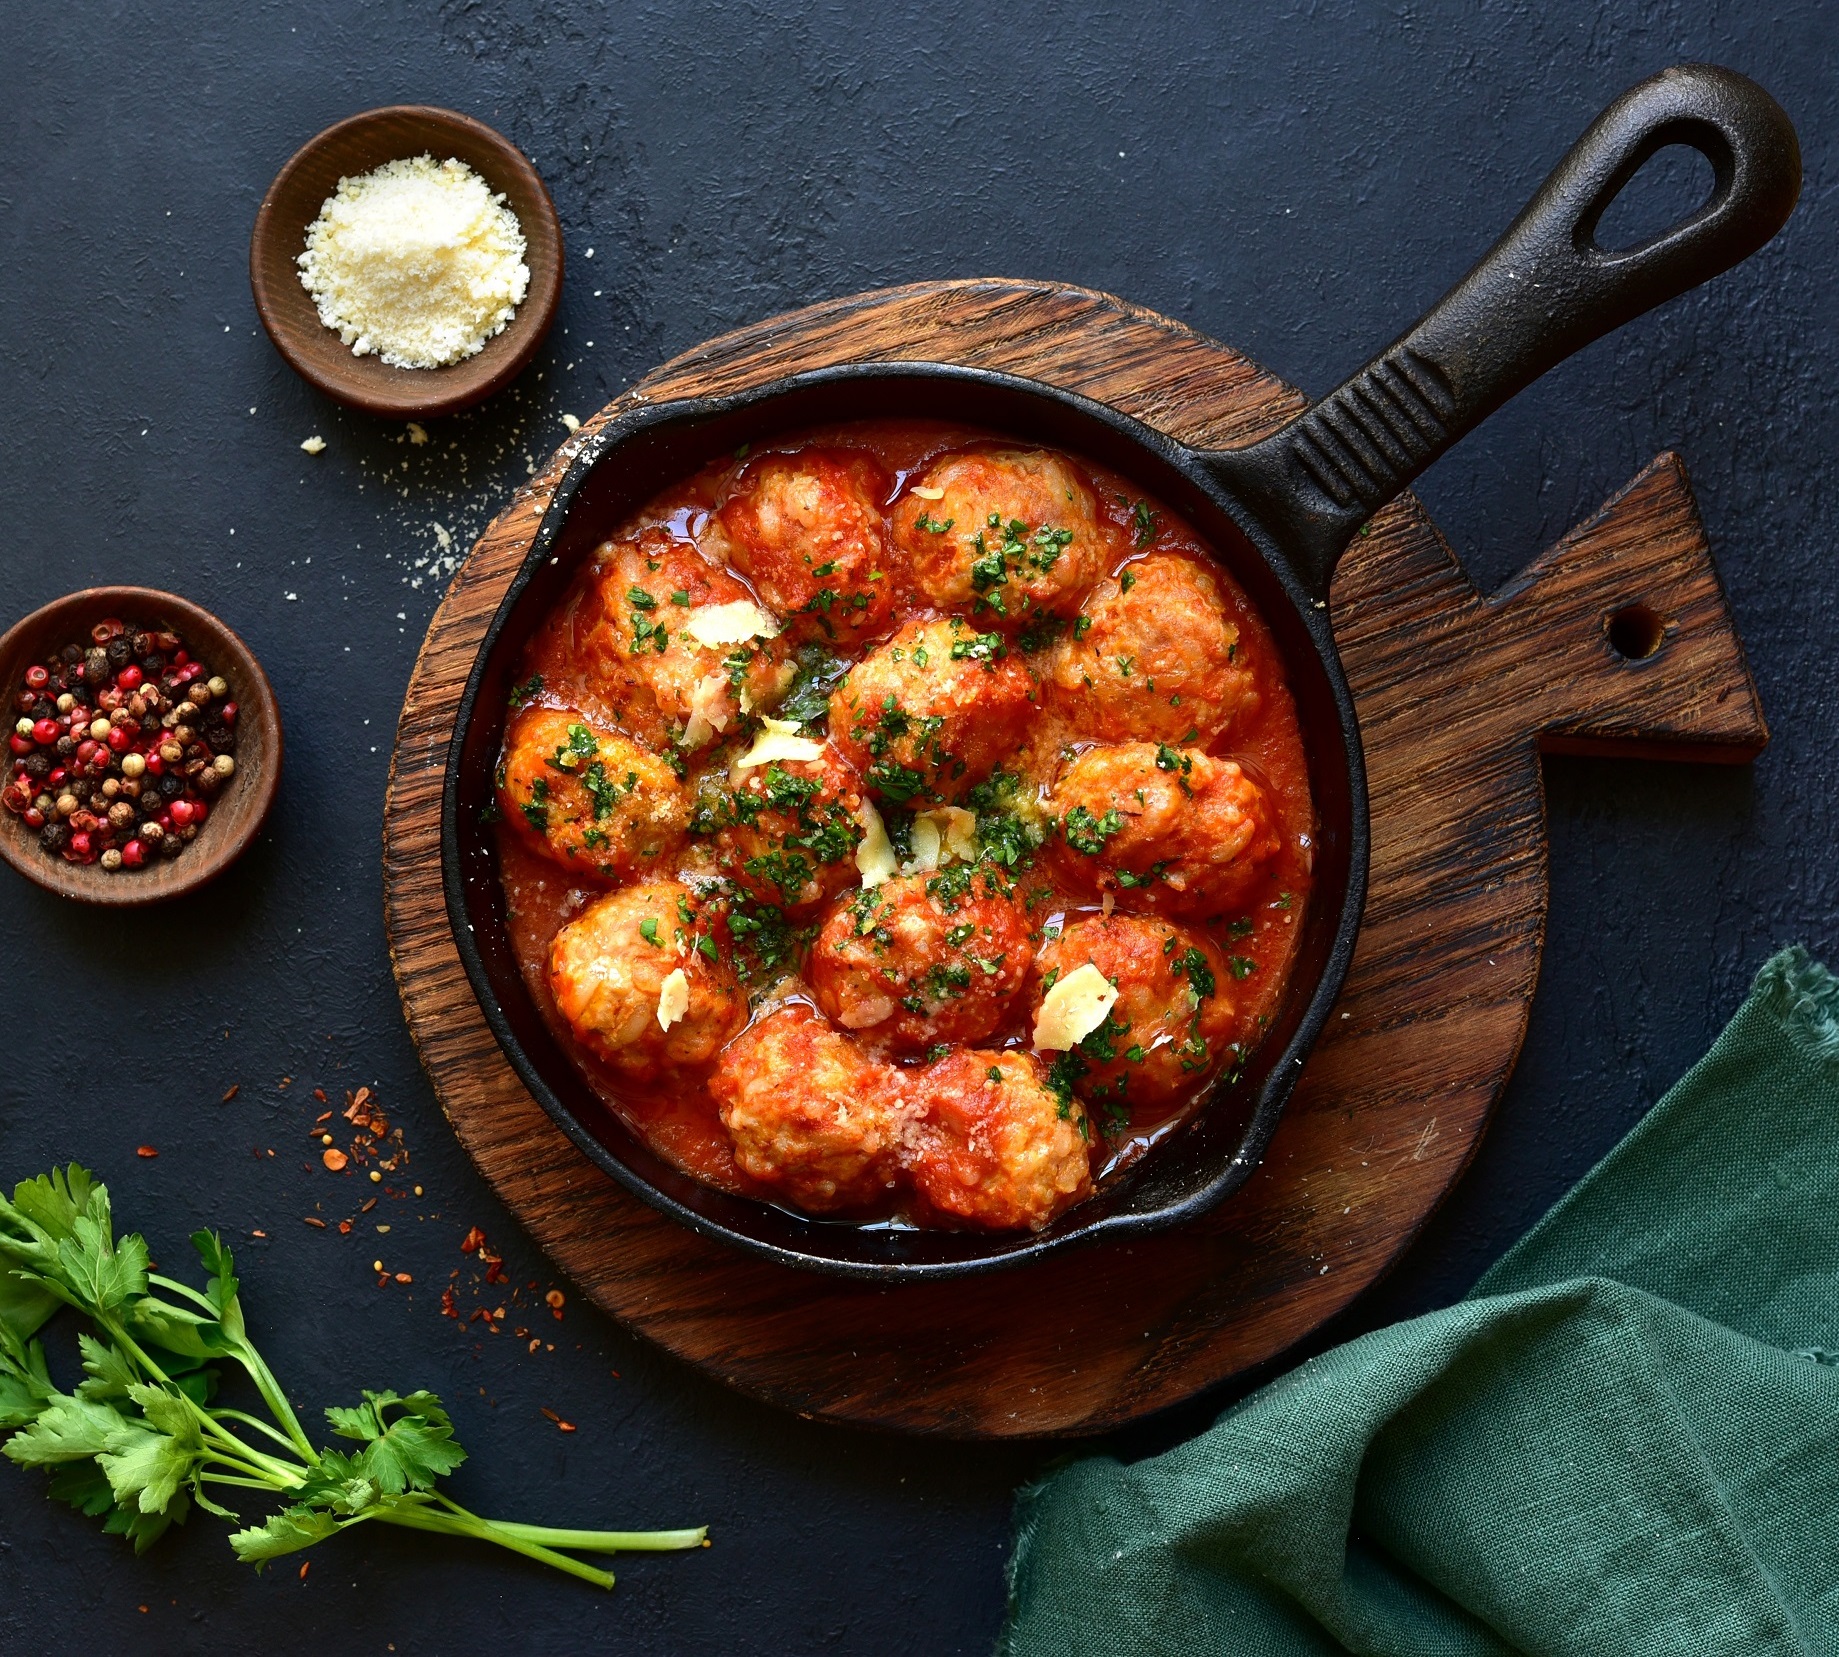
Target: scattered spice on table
120	748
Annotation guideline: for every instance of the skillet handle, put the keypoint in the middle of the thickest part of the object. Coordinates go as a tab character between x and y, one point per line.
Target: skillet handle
1543	291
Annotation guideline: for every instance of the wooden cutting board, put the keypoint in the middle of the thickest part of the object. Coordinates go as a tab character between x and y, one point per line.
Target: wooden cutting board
1616	641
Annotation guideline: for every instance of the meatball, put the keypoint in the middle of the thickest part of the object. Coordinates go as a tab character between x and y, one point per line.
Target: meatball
647	595
1187	832
590	798
810	1113
1008	534
1153	655
1172	1018
787	831
994	1145
807	529
611	966
919	960
929	714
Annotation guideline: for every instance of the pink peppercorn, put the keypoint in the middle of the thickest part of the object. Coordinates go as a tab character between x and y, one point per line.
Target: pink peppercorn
45	731
129	678
133	855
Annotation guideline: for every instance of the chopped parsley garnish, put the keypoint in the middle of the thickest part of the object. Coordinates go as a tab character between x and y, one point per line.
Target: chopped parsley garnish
1146	523
987	648
1193	965
639	599
1127	580
1243	966
648	930
1241	928
681	599
994	1074
932	526
603	790
819	673
528	691
1087	834
1082	626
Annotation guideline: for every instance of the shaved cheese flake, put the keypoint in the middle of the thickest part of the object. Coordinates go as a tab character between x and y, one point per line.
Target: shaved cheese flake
927	494
1073	1009
708	710
714	625
926	842
778	740
875	855
673	998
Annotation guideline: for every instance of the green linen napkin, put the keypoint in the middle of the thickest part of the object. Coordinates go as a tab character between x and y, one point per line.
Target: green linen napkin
1625	1441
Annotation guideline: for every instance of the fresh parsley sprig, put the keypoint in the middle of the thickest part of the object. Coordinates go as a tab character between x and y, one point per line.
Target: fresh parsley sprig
142	1438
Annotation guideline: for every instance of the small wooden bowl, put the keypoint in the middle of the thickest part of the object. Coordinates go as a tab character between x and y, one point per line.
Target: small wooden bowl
236	814
293	202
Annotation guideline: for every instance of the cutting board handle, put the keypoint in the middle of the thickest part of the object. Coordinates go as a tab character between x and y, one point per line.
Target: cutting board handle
1547	288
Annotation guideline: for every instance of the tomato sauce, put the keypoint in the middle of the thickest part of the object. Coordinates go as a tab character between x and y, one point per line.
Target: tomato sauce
1258	938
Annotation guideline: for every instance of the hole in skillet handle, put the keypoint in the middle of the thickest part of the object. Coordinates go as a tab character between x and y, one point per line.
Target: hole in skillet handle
1635	632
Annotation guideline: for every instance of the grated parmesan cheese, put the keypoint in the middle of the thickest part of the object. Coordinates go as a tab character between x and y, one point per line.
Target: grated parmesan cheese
315	445
1073	1009
673	998
416	262
714	625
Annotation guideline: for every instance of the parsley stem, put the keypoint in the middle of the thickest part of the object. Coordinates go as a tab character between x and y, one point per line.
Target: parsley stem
484	1530
261	1426
607	1541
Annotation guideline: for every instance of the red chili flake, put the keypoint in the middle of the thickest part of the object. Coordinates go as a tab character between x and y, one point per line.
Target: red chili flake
473	1241
146	1150
235	1088
494	1267
307	1219
403	1277
321	1117
365	1208
335	1159
534	1344
258	1234
344	1228
550	1413
286	1081
449	1308
554	1300
319	1093
305	1566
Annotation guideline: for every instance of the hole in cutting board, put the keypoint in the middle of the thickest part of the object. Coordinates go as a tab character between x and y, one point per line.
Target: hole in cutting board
1635	632
1669	188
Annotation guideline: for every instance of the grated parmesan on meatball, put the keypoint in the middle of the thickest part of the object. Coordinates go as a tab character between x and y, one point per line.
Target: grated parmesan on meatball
1185	832
807	530
810	1113
1005	534
994	1145
590	798
1153	655
608	970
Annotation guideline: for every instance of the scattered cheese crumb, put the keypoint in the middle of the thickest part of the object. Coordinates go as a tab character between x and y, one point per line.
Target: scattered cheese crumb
572	422
673	999
1073	1009
779	739
416	262
875	855
418	434
715	625
314	445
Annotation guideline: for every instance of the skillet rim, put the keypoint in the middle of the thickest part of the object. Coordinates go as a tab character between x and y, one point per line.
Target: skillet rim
996	1250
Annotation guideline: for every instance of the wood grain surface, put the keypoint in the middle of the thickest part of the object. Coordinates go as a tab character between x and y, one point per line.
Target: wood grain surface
1458	694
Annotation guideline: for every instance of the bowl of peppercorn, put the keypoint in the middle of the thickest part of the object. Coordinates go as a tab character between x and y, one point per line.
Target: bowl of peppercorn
144	746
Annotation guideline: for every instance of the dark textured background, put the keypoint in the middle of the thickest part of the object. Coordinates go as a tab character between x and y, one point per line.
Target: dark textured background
1297	179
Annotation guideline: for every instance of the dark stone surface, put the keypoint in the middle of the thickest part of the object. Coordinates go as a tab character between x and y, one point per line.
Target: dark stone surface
1298	180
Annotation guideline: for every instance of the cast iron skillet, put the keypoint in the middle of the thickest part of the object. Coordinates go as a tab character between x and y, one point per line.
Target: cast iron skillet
1278	513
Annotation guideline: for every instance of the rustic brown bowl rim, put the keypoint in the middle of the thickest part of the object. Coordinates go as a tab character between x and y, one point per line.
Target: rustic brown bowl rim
244	807
355	145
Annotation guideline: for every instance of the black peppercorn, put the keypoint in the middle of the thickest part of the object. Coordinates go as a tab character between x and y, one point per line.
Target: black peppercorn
38	764
66	746
153	664
71	654
54	837
119	651
171	846
171	787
